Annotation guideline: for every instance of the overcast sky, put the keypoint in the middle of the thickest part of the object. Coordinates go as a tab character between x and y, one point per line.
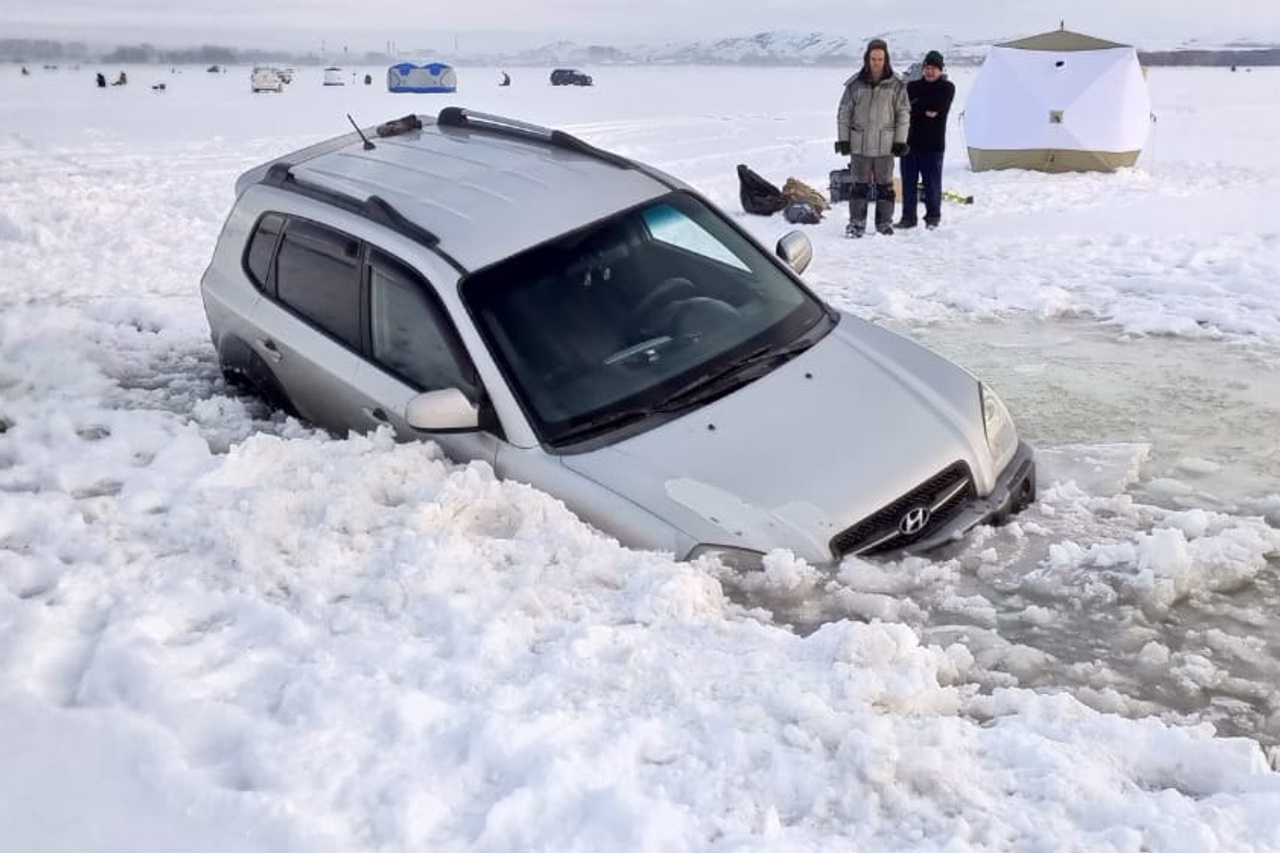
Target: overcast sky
370	24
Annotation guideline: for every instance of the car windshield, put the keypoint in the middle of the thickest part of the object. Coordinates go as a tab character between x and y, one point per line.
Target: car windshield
638	317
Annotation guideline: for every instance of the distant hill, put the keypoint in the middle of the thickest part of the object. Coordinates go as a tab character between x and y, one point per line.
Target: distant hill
1218	57
769	48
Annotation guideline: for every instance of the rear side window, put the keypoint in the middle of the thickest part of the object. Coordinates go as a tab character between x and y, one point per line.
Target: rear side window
257	260
318	275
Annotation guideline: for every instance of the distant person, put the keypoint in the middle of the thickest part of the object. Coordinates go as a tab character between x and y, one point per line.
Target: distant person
26	73
368	79
506	79
871	129
931	98
122	80
102	81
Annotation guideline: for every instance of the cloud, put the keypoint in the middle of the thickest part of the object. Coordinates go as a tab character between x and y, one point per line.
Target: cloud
373	22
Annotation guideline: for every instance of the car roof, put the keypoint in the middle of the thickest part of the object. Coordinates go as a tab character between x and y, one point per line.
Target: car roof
482	187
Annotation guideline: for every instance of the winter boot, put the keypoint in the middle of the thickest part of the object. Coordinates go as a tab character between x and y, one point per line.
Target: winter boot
857	210
884	209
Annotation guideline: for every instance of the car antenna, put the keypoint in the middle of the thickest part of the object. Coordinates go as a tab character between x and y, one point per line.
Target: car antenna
368	146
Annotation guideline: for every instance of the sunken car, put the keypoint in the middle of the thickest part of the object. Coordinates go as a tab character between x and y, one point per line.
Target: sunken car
617	342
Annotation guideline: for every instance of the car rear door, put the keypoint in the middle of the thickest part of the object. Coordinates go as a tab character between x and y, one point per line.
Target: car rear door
308	330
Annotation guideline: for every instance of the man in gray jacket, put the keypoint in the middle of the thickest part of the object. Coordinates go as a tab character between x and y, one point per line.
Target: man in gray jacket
871	128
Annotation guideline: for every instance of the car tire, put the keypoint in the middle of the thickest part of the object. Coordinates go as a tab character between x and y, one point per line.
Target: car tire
256	378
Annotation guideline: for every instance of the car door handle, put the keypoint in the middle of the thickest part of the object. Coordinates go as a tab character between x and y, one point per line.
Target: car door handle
273	352
376	413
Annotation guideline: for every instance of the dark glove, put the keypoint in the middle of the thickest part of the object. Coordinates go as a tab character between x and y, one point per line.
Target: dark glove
842	147
899	149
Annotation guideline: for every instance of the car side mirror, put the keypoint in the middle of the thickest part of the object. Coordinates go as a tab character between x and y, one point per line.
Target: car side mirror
795	248
447	410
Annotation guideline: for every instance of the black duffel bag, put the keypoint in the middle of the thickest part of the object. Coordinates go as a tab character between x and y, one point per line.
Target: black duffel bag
757	194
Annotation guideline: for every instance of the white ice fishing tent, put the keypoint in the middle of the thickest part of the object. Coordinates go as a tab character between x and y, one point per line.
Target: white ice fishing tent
421	77
333	76
1057	102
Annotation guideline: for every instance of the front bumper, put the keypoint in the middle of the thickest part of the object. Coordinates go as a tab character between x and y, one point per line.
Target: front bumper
1014	491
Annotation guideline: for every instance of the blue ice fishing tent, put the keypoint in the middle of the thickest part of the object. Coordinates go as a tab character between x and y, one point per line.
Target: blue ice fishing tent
421	77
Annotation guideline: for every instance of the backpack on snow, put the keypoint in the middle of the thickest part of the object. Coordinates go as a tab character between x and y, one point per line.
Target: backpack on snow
802	213
758	195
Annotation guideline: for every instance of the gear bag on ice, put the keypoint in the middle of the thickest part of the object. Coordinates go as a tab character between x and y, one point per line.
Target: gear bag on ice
757	194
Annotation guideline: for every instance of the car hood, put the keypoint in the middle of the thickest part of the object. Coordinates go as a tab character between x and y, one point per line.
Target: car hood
805	451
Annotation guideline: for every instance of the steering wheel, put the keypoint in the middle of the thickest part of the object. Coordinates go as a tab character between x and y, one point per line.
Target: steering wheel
667	291
698	315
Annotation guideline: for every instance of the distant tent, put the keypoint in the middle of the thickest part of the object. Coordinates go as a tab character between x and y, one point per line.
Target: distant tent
421	77
1057	102
333	76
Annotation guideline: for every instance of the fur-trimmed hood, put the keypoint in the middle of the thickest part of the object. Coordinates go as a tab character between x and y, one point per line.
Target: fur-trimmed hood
865	73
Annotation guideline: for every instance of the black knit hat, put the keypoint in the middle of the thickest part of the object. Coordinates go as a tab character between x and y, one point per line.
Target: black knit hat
935	59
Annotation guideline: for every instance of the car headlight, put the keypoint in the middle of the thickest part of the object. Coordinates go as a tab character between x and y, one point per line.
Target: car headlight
738	559
1002	437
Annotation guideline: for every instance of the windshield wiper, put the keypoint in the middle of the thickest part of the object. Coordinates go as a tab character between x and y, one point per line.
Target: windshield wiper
711	383
687	395
602	423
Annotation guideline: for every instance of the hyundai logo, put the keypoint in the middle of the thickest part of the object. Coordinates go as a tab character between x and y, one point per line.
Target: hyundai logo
913	520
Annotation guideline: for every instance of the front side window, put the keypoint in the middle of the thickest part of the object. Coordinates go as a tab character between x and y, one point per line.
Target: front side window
617	320
409	334
318	276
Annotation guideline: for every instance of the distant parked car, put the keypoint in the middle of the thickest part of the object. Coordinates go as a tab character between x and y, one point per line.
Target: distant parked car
596	328
264	79
569	77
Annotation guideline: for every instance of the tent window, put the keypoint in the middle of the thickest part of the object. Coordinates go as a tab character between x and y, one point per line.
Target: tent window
1055	116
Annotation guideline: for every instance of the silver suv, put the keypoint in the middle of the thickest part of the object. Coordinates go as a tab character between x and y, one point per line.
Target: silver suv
591	326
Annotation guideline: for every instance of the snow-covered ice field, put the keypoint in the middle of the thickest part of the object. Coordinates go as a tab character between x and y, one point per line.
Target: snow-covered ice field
223	630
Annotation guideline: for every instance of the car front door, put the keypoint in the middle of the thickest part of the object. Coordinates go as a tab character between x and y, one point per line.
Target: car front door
412	347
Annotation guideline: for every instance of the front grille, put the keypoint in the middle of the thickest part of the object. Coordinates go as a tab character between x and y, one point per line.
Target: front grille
944	494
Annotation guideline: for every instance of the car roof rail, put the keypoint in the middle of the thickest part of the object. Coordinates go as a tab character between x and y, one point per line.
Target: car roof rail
374	207
487	122
462	117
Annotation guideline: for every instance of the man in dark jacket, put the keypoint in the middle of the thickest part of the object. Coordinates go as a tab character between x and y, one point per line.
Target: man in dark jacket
871	129
931	98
